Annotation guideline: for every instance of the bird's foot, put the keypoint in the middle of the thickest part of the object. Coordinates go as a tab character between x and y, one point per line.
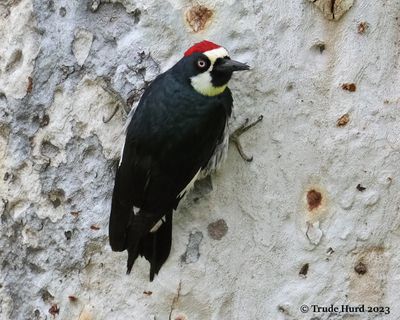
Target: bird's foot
105	83
238	132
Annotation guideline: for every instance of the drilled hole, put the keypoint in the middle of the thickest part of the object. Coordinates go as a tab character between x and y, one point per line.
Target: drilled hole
304	270
218	229
197	17
360	268
314	199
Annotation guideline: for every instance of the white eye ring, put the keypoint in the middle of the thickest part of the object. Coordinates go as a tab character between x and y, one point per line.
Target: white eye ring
201	63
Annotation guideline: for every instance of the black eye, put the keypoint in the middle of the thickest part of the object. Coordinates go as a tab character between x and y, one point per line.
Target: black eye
201	63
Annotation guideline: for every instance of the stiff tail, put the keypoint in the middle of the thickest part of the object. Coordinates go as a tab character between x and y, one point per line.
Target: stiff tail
120	217
154	246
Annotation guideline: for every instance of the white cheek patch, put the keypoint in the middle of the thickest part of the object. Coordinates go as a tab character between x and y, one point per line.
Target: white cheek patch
202	84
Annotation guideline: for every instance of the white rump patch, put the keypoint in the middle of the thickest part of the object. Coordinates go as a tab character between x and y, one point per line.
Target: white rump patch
135	210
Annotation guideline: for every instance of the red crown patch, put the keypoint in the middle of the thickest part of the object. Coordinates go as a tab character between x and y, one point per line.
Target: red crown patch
202	46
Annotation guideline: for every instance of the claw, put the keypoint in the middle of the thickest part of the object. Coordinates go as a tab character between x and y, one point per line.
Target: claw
108	119
240	149
238	132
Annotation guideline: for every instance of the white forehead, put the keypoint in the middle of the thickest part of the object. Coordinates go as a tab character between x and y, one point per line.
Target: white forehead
214	54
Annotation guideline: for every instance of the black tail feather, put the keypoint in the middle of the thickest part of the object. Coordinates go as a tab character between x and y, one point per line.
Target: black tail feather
133	253
153	257
120	217
156	246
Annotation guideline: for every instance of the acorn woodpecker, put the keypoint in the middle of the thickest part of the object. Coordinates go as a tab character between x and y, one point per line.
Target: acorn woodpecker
178	133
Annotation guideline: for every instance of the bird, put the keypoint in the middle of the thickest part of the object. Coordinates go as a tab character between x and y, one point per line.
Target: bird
177	134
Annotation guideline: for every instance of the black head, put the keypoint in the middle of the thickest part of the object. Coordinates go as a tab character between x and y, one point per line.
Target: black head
210	71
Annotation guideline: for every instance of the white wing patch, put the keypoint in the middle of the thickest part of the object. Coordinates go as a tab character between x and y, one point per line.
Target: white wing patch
122	152
158	225
128	120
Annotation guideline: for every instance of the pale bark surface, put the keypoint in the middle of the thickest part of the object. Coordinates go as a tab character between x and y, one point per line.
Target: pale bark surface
323	188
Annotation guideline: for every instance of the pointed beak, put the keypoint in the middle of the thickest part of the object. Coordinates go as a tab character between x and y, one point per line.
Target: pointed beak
228	65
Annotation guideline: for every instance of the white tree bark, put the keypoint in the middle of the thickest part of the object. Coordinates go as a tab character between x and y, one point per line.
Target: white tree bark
313	220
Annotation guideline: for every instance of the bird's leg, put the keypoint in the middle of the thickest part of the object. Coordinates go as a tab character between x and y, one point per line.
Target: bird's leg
234	137
120	102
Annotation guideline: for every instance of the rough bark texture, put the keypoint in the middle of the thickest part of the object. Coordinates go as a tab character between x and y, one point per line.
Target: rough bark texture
314	219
